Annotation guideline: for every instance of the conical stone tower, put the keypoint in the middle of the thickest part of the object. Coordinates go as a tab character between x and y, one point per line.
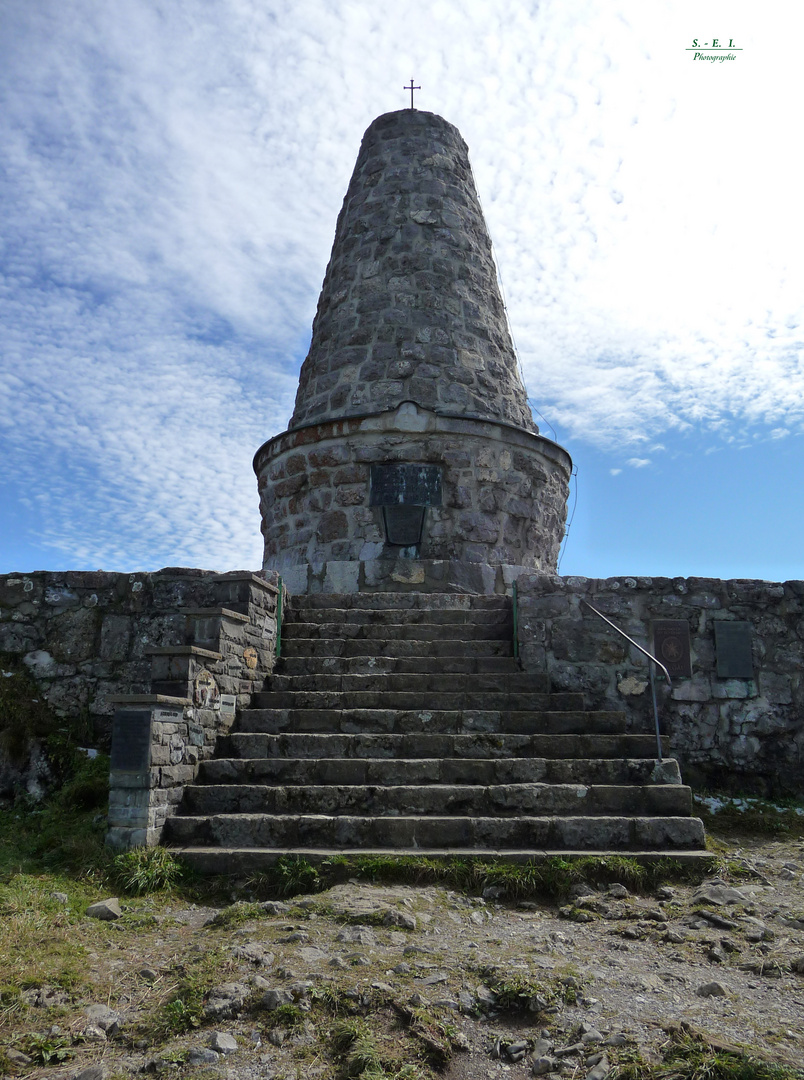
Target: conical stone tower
411	460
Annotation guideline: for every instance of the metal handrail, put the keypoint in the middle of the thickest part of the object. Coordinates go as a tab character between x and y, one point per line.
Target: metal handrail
650	657
516	622
279	621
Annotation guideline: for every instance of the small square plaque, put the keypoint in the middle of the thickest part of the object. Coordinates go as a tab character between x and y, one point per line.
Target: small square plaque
671	645
168	716
733	648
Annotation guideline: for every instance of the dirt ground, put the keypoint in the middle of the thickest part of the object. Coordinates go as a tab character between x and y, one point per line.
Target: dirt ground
480	987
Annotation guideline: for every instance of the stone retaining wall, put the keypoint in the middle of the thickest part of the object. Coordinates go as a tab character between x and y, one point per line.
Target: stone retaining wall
742	735
90	638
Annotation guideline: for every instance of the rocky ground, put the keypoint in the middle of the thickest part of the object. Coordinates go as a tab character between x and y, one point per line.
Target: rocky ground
413	978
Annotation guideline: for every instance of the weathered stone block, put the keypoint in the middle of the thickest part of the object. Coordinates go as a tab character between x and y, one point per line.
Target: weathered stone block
332	526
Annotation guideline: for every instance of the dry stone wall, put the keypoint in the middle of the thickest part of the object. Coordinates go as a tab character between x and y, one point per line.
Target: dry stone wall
743	735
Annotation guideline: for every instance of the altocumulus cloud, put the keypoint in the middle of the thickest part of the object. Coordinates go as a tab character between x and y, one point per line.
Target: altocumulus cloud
172	175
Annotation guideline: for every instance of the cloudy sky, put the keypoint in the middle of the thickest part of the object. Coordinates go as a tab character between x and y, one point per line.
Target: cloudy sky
170	176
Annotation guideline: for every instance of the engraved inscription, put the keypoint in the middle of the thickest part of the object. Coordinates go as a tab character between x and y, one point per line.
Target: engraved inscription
168	716
405	485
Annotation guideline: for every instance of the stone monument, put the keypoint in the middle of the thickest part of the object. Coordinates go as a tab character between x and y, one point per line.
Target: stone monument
411	460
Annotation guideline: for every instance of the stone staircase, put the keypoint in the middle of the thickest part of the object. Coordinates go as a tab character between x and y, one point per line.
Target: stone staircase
400	723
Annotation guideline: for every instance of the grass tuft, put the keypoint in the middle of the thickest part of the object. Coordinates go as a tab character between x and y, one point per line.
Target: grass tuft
688	1055
147	870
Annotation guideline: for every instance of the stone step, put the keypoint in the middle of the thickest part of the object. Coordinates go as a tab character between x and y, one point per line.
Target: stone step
497	617
417	746
457	721
400	601
405	665
387	630
516	682
429	699
243	862
386	646
496	800
357	831
448	770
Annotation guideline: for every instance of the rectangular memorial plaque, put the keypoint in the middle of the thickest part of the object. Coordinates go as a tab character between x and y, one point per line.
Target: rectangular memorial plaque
671	645
228	706
405	485
733	648
131	740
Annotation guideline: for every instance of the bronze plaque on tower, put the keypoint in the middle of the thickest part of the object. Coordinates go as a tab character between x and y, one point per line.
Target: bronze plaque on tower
405	485
733	649
671	645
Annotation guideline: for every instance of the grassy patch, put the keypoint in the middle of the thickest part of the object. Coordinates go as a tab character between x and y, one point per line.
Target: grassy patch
147	870
546	879
689	1055
236	914
181	1008
368	1052
748	816
39	944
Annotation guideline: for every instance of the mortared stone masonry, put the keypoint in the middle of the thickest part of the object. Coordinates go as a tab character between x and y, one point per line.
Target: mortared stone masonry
411	460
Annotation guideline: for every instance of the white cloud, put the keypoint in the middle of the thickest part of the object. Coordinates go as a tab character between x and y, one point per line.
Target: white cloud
172	179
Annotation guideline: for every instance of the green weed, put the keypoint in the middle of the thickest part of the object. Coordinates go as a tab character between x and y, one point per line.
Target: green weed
291	875
63	832
750	816
180	1015
48	1049
236	914
518	992
287	1016
546	879
147	870
354	1043
688	1056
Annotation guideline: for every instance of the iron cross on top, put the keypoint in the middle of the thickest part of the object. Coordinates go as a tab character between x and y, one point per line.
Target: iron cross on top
411	88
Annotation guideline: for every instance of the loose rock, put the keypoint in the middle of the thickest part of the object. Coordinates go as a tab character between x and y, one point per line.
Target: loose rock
106	910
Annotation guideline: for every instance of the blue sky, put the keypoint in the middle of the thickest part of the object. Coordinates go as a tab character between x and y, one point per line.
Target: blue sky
170	177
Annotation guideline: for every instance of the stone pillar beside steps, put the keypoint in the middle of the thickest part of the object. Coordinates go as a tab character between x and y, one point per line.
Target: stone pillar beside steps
159	738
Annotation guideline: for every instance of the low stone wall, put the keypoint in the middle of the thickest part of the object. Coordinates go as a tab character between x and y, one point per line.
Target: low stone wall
90	638
742	735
